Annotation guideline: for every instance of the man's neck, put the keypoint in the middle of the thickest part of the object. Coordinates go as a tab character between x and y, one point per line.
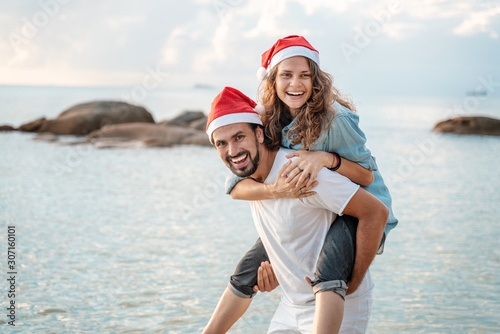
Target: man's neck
265	165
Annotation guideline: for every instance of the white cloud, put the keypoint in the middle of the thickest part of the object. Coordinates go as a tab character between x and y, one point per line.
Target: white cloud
401	30
479	22
205	41
268	13
216	52
171	51
313	6
435	9
118	22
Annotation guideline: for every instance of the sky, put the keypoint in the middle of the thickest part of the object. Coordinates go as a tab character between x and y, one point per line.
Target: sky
395	46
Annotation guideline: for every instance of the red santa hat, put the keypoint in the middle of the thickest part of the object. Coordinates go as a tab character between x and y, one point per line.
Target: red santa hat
229	107
284	48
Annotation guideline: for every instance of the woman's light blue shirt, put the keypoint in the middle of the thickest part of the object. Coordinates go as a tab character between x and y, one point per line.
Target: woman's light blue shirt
345	138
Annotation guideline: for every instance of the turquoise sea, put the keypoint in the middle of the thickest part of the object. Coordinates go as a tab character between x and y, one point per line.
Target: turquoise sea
143	240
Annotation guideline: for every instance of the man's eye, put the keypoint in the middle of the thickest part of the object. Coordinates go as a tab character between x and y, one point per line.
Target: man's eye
240	137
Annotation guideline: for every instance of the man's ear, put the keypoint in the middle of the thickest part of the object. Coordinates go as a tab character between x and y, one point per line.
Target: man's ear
259	133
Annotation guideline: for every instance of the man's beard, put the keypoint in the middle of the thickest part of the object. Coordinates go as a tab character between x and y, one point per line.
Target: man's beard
252	165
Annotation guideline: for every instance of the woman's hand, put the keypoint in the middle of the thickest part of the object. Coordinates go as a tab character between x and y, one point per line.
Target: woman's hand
290	187
306	166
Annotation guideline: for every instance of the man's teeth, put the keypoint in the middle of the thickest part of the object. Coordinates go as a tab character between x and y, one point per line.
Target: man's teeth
236	160
295	94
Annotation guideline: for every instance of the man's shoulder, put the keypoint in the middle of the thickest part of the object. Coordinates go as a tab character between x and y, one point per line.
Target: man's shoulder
281	156
279	160
284	151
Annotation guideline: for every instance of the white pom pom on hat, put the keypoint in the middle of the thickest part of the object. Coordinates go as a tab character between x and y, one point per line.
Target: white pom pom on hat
261	73
259	108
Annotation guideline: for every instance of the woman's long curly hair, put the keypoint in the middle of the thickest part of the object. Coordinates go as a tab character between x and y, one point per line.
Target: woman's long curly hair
313	117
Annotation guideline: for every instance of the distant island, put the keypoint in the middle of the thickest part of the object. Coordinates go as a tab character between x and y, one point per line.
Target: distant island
204	86
480	92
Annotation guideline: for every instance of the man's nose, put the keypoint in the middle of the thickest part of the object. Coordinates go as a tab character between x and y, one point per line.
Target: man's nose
232	149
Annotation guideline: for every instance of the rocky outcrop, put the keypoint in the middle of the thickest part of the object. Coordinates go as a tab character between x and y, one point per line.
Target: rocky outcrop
477	125
189	119
84	118
151	135
119	124
6	128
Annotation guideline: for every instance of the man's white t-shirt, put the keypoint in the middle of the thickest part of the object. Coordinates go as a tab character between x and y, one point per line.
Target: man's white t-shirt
293	230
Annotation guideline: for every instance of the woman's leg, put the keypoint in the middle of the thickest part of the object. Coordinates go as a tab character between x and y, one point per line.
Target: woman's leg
329	312
336	260
244	278
358	308
333	271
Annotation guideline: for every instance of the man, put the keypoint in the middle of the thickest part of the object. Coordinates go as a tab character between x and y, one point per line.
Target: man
292	229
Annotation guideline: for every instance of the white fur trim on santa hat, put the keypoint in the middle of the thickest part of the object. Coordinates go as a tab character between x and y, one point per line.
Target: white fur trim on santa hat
244	117
293	51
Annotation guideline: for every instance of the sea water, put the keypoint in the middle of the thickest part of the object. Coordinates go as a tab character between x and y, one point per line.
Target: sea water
143	240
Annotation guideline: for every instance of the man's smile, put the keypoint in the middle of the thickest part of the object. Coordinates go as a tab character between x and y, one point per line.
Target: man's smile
240	160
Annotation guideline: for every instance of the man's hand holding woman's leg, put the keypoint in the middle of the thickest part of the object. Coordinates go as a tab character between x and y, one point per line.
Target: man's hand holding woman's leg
266	279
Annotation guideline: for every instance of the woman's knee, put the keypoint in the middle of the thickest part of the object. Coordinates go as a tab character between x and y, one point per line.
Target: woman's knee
244	278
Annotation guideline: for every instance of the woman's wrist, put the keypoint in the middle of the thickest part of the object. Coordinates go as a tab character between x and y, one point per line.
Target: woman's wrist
327	159
335	164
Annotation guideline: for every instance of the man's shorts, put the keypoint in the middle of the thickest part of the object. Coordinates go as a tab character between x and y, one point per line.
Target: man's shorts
299	318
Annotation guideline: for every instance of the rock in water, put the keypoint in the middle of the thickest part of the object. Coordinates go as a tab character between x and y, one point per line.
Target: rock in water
477	125
189	119
158	135
6	128
84	118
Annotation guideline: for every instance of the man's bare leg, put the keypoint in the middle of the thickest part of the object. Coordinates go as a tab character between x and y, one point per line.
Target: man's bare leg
229	309
328	313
